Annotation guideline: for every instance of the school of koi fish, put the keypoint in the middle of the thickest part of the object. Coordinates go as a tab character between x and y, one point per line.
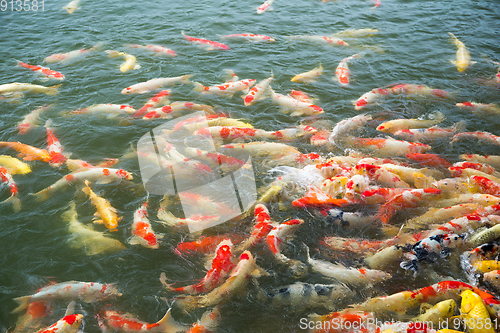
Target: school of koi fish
431	266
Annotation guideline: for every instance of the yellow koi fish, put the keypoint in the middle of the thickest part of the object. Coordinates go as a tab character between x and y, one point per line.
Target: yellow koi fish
105	211
130	61
463	56
474	313
309	76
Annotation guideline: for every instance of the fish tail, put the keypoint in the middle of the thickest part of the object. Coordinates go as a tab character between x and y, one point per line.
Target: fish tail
459	127
186	304
410	265
53	90
112	53
14	200
185	78
437	117
167	217
97	46
198	86
42	195
23	303
87	188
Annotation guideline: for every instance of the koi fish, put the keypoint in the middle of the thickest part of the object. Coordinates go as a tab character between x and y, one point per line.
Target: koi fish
439	215
200	221
54	148
208	323
401	124
100	175
31	120
305	295
344	318
463	56
83	236
71	290
356	33
348	275
257	91
389	146
474	313
431	160
278	235
79	165
109	110
206	44
204	245
68	324
6	178
69	57
420	178
14	166
348	125
105	212
126	323
429	248
492	160
16	87
226	89
481	109
321	39
175	108
342	72
130	61
266	6
27	152
297	107
486	266
432	133
261	148
142	232
350	219
262	227
310	76
72	6
47	72
250	37
157	49
153	84
381	175
301	96
221	266
160	99
484	136
493	278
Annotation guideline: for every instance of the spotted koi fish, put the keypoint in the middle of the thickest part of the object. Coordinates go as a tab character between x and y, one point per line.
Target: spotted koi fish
266	6
250	37
142	232
389	146
175	108
157	49
68	324
46	72
257	91
158	100
126	323
342	72
54	148
484	136
206	44
297	107
6	177
226	89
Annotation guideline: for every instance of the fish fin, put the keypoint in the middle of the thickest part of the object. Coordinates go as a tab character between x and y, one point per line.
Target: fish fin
198	86
134	240
42	195
70	309
97	46
15	201
113	53
23	303
98	221
53	90
137	66
296	113
104	181
169	324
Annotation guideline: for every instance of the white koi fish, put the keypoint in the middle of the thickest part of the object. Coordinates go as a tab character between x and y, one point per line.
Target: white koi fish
356	33
266	6
71	290
480	108
206	44
46	72
175	108
126	323
130	61
157	49
250	37
297	107
257	91
321	39
144	87
72	6
31	120
348	125
342	72
142	232
100	175
261	148
82	236
69	57
310	76
226	89
16	87
110	110
463	56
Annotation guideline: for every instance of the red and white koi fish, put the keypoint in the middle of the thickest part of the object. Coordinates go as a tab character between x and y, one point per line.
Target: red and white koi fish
126	323
175	108
321	39
17	89
263	225
348	125
455	169
130	60
34	318
463	56
429	247
406	199
54	148
110	110
297	107
206	44
257	91
250	37
389	146
301	96
27	152
66	58
215	160
484	136
425	134
399	89
46	72
142	232
381	195
78	165
381	175
266	6
432	160
71	290
157	49
221	266
480	108
31	120
160	99
154	84
279	234
342	72
72	6
439	215
68	324
465	225
487	186
351	276
392	126
492	160
310	76
261	148
100	175
208	323
6	177
226	89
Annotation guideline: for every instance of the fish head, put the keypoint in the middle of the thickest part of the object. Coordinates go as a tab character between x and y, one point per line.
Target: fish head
469	301
128	90
73	321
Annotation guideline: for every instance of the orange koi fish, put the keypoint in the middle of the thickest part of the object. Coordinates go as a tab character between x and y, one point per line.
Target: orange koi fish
105	211
206	44
432	160
28	153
